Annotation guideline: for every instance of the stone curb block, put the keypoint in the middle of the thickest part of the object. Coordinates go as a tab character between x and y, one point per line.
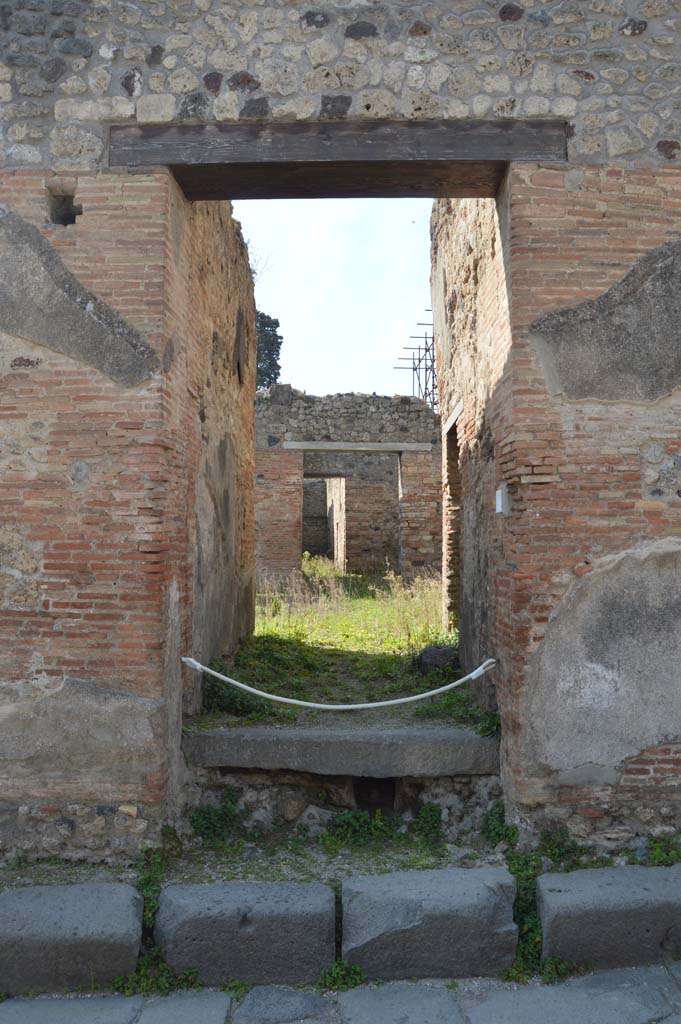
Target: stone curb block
611	917
456	922
55	937
258	932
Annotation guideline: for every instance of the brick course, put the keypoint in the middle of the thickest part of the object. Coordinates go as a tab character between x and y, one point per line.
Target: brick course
579	477
98	502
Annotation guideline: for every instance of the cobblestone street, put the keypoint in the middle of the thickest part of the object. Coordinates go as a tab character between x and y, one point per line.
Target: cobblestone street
645	995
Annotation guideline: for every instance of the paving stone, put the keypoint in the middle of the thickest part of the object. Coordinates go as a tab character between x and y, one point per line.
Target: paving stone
611	917
633	996
400	1004
259	932
187	1008
274	1004
55	937
430	924
106	1010
377	752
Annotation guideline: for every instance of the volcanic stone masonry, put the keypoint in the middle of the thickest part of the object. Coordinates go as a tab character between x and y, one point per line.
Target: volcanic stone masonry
373	510
127	334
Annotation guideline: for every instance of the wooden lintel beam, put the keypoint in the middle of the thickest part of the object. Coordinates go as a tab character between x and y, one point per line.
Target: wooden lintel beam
338	158
333	141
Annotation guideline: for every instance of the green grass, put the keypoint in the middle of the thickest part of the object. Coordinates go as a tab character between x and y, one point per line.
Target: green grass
327	637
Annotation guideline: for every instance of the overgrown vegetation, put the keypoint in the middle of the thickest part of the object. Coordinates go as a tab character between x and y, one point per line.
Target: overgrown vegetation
663	851
327	636
358	828
341	977
563	853
150	872
215	823
153	976
428	825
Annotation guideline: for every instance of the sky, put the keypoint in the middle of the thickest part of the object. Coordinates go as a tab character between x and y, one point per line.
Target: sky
348	280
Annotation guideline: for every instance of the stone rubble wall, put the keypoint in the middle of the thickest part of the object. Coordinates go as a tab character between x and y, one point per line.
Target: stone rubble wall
557	328
286	414
270	800
107	452
69	68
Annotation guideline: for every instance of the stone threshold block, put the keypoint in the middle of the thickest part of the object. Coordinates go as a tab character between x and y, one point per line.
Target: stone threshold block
611	917
370	751
56	937
258	932
456	922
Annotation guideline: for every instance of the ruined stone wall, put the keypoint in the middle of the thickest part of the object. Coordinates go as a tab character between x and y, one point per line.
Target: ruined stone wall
583	414
99	428
375	532
610	67
285	414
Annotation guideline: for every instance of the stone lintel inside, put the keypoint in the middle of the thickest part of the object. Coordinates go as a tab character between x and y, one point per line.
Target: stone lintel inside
370	447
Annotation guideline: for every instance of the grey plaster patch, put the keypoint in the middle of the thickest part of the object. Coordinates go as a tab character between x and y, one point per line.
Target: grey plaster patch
611	917
64	936
640	996
417	924
75	733
275	1004
258	932
43	302
622	346
605	679
400	1004
105	1010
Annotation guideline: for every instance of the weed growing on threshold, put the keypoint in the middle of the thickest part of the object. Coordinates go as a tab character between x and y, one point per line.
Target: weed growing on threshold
235	988
153	976
341	977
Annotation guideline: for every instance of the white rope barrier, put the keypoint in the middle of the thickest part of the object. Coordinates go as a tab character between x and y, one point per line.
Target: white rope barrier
480	671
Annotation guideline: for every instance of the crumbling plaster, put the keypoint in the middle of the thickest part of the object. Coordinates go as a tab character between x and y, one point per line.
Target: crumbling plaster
604	682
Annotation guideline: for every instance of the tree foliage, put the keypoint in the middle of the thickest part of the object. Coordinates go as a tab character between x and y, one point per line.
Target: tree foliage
269	348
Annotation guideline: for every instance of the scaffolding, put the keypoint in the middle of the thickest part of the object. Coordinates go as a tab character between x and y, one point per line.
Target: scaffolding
421	362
